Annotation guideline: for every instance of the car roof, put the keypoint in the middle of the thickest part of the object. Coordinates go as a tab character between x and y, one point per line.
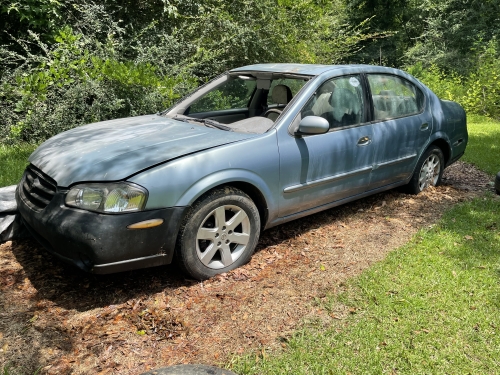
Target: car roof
313	69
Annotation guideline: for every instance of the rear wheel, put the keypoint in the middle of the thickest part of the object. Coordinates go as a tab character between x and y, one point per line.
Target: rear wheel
219	234
428	172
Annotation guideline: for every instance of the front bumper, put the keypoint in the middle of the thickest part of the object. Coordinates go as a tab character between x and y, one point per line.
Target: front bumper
101	243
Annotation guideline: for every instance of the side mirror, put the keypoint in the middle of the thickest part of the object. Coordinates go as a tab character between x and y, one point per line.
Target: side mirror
313	125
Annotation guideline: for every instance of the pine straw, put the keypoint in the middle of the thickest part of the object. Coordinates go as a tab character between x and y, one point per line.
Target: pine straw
63	321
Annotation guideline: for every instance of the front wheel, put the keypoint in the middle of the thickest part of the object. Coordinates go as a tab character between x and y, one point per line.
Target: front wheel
428	172
219	234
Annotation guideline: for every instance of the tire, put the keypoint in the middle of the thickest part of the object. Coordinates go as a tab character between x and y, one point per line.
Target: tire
219	234
428	172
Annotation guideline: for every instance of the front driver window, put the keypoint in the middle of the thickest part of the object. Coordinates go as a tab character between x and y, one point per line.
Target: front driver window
339	100
232	94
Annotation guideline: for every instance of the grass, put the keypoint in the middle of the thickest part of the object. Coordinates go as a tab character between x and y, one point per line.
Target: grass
13	160
483	149
430	307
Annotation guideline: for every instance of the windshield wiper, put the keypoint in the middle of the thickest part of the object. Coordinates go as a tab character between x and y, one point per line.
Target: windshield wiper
217	125
207	122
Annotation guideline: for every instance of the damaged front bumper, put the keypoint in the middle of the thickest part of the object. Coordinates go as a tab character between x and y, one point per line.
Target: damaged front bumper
102	243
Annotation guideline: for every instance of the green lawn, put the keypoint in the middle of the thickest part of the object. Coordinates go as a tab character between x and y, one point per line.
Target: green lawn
483	149
430	307
13	160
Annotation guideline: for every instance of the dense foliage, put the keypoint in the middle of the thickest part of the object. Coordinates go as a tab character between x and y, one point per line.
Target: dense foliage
451	45
67	63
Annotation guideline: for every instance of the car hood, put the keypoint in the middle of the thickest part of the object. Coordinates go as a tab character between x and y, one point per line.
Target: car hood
113	150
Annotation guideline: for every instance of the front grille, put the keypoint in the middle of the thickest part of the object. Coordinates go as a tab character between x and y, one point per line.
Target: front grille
37	189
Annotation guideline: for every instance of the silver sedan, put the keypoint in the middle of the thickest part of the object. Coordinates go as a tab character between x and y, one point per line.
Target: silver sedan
256	147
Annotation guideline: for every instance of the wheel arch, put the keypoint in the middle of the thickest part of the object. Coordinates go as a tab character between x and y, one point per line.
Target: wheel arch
255	195
252	185
445	148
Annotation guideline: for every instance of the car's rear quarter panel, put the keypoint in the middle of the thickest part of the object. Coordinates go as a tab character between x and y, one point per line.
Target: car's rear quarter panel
455	123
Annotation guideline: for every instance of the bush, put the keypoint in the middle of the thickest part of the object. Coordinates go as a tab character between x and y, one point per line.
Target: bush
74	82
478	93
98	61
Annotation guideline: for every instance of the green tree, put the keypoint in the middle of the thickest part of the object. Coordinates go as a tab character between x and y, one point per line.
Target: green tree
455	32
394	21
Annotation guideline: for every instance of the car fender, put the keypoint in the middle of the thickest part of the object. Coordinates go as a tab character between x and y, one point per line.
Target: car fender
224	177
180	182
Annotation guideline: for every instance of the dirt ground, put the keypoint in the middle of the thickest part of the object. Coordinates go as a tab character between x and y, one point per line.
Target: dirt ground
61	321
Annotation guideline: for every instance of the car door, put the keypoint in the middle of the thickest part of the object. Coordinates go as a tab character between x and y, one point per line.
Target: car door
316	170
401	128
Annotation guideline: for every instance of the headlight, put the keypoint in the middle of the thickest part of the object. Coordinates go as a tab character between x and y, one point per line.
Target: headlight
112	197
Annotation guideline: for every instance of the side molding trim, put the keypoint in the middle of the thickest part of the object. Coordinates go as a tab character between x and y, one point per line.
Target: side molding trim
326	180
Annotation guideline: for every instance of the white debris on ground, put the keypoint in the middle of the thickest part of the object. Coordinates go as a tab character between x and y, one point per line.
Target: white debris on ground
10	223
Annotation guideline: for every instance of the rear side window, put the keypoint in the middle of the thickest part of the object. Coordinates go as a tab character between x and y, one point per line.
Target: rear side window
394	97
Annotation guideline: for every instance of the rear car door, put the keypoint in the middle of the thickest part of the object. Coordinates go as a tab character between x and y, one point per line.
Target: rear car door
401	127
319	169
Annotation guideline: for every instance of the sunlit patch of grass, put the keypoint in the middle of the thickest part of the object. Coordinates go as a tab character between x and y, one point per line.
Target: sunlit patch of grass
430	307
483	149
13	160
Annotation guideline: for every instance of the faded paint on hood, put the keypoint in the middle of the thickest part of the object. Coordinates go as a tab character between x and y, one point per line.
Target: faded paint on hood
113	150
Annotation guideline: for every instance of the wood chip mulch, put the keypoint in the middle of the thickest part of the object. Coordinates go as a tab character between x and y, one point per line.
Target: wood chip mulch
61	321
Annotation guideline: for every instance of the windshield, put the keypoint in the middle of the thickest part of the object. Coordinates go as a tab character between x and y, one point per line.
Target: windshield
250	102
232	94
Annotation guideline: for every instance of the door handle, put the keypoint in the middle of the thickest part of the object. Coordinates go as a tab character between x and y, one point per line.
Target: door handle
424	126
364	141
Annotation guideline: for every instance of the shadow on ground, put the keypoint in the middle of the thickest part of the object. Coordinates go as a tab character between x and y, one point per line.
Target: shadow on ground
71	288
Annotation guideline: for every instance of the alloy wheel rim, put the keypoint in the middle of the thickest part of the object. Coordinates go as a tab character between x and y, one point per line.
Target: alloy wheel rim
429	173
223	236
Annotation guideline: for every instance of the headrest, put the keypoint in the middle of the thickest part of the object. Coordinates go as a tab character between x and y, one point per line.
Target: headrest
387	93
281	94
343	102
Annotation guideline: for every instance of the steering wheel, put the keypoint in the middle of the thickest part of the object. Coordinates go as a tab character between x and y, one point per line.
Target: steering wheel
271	111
